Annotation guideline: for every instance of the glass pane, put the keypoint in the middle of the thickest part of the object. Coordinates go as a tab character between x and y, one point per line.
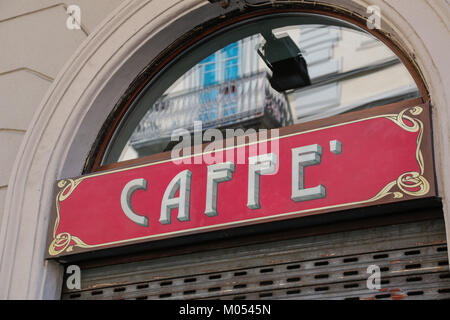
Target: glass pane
269	73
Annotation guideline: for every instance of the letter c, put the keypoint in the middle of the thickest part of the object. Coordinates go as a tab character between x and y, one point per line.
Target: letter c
125	200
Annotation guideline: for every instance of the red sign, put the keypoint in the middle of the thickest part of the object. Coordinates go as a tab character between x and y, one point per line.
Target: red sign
372	159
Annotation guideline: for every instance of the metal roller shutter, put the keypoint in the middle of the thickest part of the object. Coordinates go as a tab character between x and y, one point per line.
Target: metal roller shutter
412	258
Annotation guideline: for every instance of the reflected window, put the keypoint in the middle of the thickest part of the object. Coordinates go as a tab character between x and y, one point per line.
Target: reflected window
268	73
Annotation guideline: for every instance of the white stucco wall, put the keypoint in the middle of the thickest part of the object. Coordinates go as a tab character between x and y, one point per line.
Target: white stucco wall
34	46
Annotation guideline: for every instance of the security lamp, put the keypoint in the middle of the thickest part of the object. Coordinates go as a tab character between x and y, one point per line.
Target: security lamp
284	59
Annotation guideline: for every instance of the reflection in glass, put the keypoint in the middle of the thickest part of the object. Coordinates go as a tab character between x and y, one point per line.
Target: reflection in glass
349	69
